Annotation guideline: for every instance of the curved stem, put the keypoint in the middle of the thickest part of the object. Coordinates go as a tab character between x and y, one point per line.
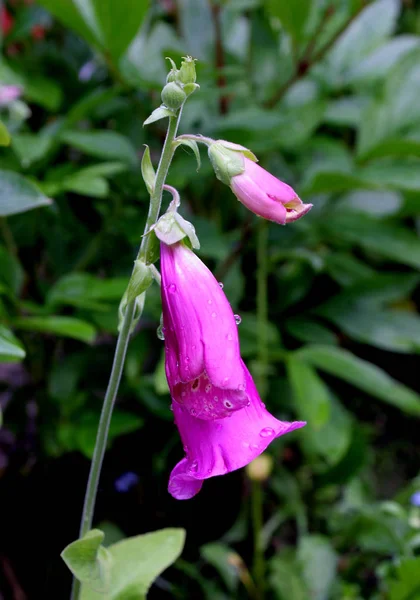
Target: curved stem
122	344
262	319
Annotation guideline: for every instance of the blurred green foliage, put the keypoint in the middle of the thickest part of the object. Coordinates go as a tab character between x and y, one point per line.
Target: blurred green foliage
327	94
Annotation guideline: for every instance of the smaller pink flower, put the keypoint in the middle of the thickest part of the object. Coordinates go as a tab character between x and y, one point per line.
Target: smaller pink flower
9	93
223	445
267	196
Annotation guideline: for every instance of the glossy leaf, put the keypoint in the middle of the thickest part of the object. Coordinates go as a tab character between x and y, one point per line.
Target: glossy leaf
60	326
102	144
363	375
137	561
11	349
18	195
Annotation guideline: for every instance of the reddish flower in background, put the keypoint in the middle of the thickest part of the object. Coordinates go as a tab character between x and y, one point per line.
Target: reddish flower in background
221	419
267	196
6	20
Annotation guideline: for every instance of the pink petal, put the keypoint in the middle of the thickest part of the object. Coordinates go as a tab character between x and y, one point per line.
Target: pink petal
220	446
201	335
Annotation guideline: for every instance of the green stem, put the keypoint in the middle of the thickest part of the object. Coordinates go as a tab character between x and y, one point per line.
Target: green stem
8	237
262	305
122	344
257	526
263	358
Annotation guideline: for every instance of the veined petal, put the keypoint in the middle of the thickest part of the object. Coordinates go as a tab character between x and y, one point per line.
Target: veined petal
204	400
223	445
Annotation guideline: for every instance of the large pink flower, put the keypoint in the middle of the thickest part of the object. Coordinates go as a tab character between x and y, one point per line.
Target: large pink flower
203	362
221	419
267	196
223	445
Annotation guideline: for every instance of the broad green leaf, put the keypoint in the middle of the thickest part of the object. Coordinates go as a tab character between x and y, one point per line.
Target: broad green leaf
4	135
309	330
405	584
89	561
83	437
59	326
248	327
363	375
86	291
286	579
30	148
11	272
18	195
312	398
387	240
318	562
11	349
119	22
137	561
329	426
377	65
67	11
292	15
102	144
366	33
220	557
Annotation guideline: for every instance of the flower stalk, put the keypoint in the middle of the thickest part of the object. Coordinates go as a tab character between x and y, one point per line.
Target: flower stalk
122	342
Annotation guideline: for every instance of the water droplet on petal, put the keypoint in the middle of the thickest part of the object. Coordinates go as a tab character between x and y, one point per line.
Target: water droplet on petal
229	337
186	449
267	432
221	285
193	467
214	315
238	319
245	444
225	381
172	288
216	398
255	446
241	387
160	332
193	412
209	301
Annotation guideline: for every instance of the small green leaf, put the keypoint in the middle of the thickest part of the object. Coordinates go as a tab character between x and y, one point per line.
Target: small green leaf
319	562
312	397
159	113
137	561
102	144
406	583
148	171
18	195
89	561
60	326
11	349
140	280
4	135
194	147
363	375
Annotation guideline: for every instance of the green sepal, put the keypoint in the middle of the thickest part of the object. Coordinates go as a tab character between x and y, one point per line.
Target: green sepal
148	171
141	279
190	88
228	159
138	310
194	147
172	228
89	561
187	72
159	113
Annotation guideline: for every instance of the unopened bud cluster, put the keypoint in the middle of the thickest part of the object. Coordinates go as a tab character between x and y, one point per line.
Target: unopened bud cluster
180	83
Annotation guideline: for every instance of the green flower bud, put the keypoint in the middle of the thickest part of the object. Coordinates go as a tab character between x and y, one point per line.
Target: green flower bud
173	96
172	75
187	72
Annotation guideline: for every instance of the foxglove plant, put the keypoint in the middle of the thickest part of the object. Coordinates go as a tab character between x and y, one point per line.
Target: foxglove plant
221	419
